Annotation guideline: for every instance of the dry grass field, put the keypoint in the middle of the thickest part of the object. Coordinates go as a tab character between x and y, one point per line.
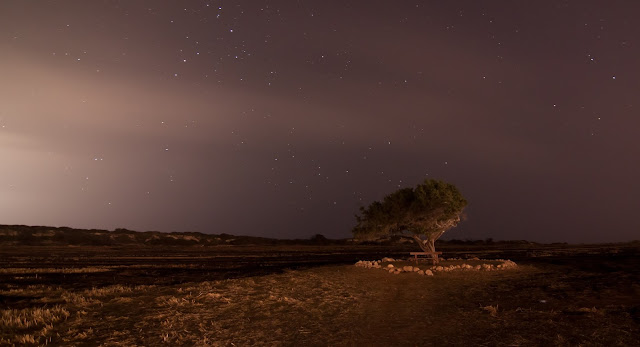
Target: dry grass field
564	299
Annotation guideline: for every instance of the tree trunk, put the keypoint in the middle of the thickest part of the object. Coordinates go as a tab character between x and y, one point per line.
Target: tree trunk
428	245
421	243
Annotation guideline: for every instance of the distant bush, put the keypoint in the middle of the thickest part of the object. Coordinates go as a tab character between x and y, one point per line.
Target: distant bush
319	239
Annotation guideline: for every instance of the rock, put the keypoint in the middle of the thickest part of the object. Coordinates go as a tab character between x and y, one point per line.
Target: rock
386	259
488	267
390	266
478	267
439	268
397	272
421	272
408	268
391	270
508	264
416	269
428	272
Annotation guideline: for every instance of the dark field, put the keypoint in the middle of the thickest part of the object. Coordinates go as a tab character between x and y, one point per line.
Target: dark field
313	295
168	266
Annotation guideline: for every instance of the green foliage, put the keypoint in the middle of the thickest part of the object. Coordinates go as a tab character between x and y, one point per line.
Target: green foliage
429	209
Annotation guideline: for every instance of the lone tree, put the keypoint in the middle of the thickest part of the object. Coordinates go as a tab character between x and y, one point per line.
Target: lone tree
422	213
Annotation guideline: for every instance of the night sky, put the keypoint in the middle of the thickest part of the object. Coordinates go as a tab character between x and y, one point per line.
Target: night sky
282	118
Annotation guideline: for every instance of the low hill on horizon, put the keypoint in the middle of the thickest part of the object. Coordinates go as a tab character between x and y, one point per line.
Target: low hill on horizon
59	236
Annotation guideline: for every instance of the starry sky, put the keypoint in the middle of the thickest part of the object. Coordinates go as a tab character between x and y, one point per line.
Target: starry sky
282	118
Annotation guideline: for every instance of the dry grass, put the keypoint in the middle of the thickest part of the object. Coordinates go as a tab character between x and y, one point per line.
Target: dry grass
493	310
30	325
35	325
28	318
256	310
334	305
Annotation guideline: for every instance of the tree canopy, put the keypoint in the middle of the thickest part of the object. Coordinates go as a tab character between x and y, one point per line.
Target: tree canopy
423	213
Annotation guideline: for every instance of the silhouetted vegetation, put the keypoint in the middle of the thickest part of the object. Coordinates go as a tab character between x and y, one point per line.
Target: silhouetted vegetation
424	213
49	236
